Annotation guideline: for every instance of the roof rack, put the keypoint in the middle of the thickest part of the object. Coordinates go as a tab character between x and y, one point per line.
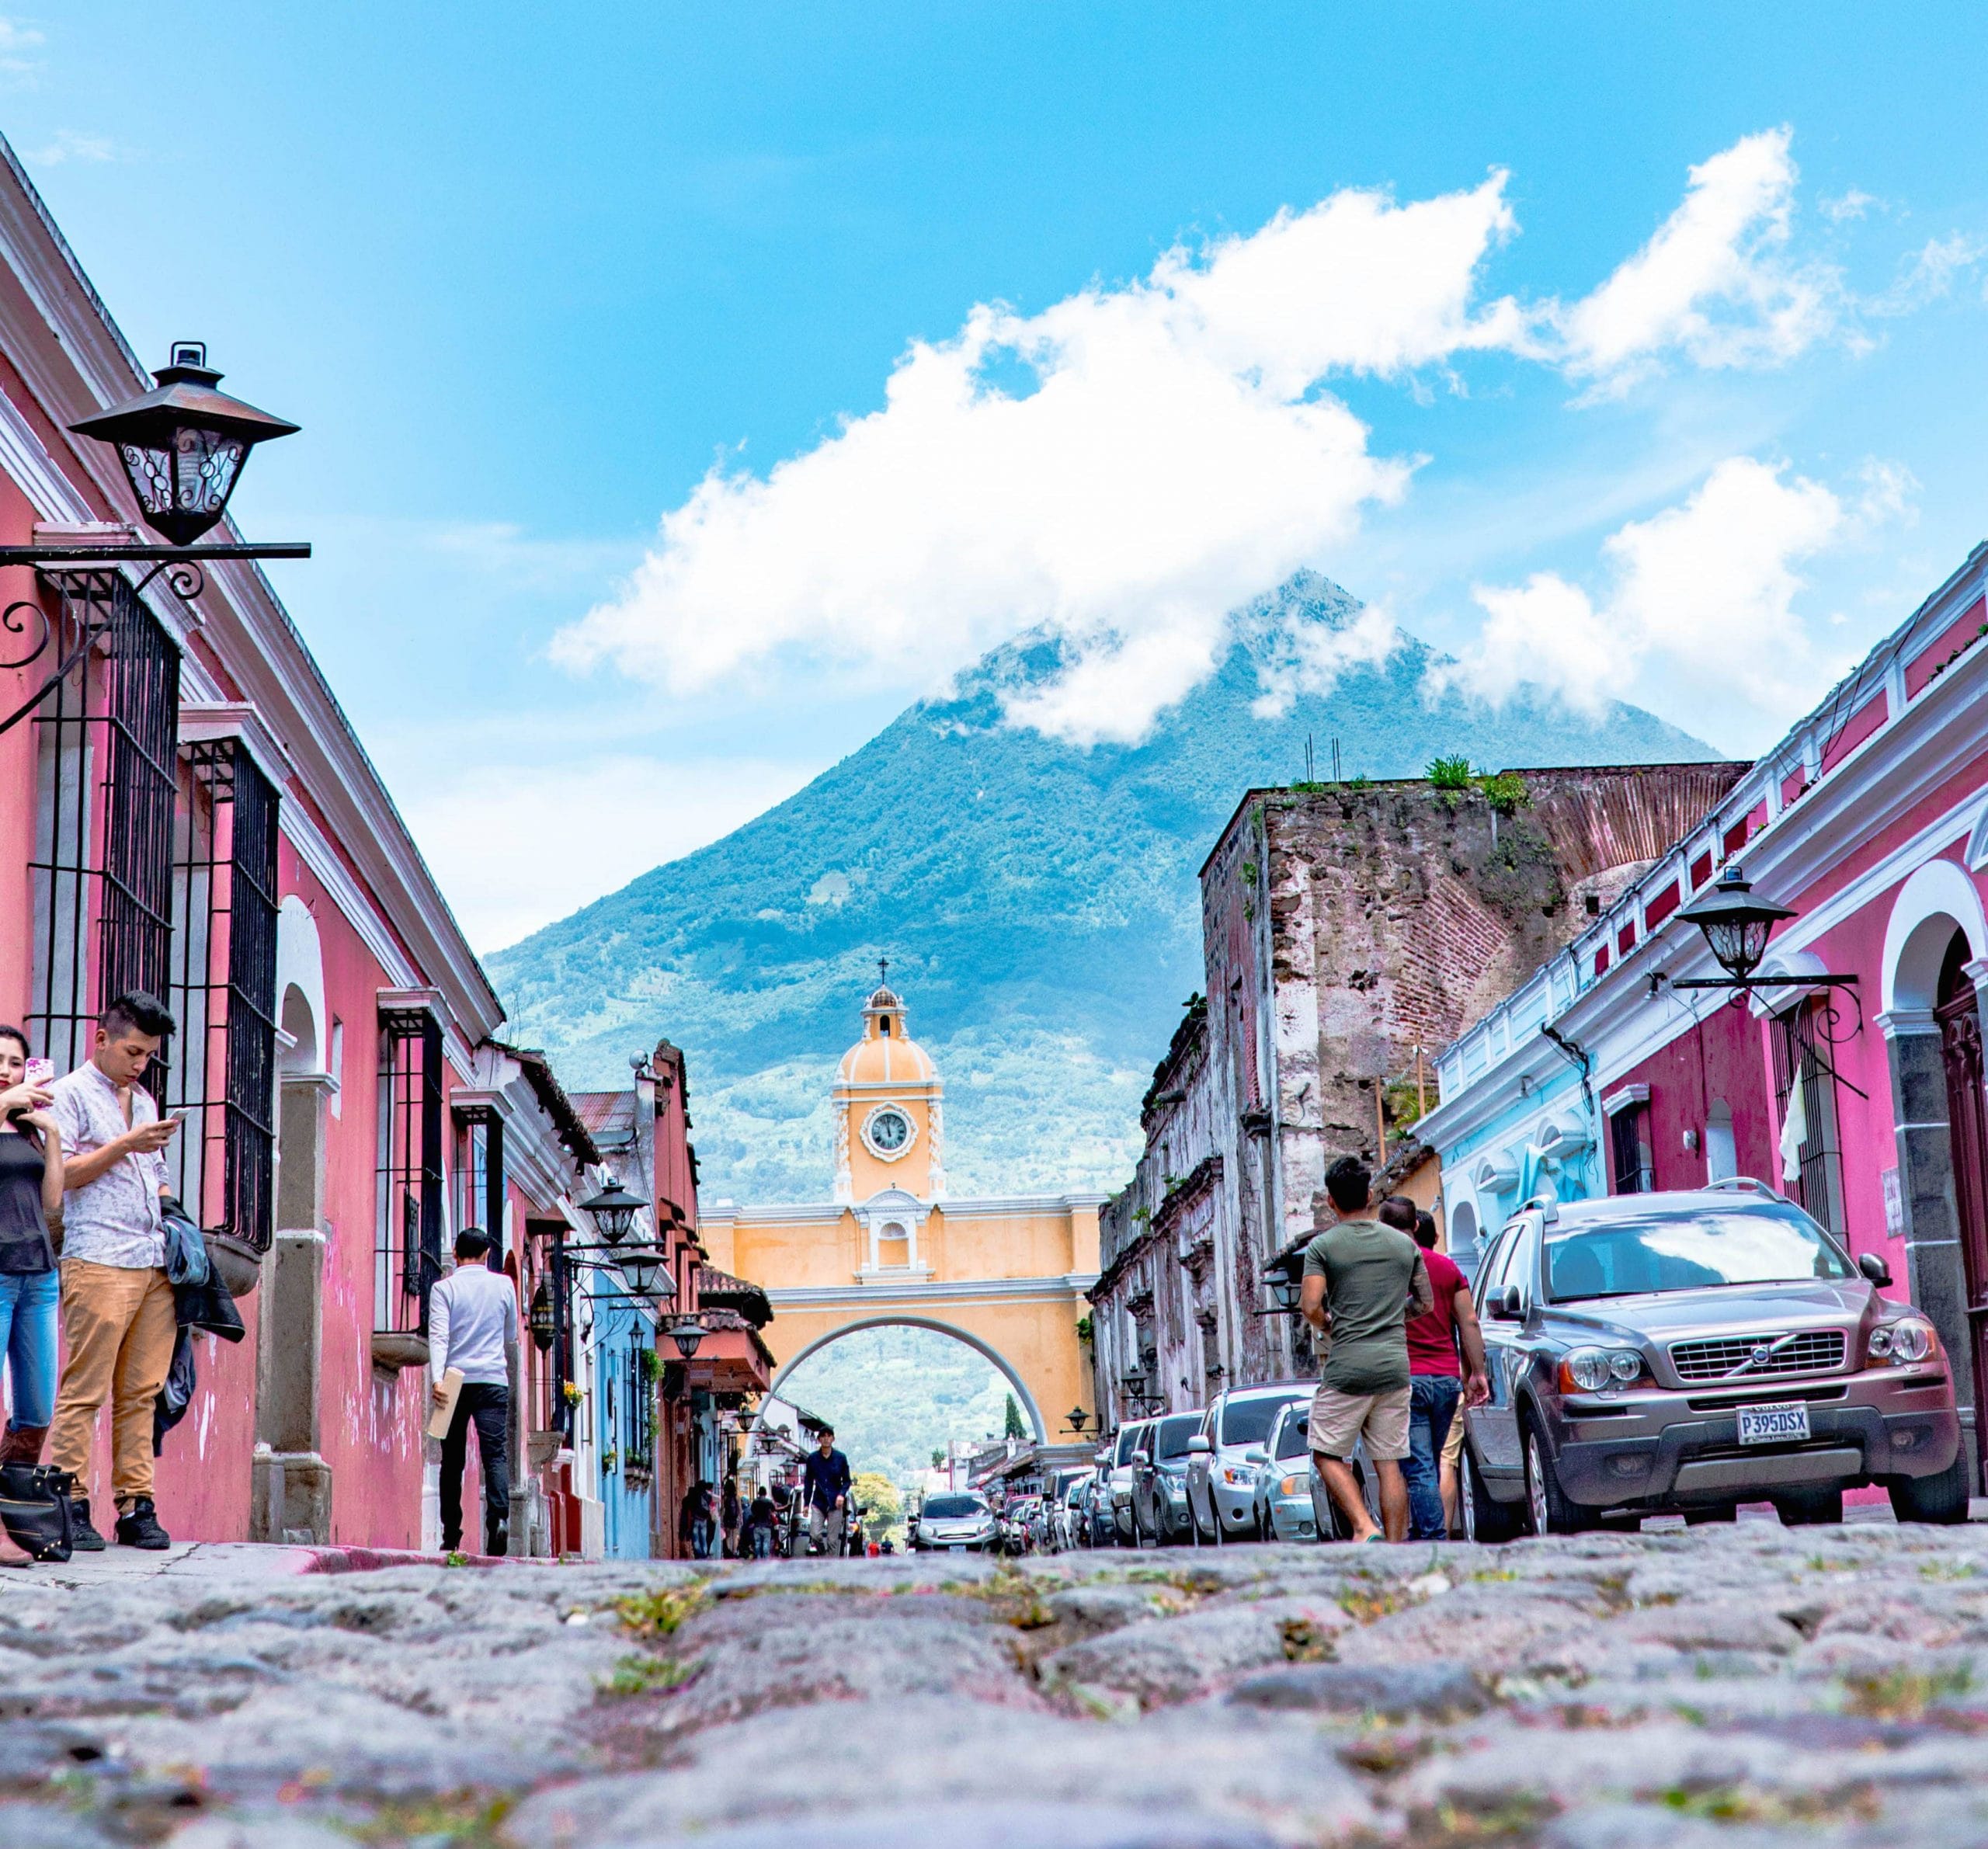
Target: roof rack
1735	1184
1548	1205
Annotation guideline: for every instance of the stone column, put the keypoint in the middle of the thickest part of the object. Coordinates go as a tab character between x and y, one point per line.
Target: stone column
1932	1222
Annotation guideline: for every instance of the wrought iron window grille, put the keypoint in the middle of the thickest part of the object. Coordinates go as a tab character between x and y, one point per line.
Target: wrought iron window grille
1628	1136
106	785
1800	1036
407	1256
221	1067
480	1170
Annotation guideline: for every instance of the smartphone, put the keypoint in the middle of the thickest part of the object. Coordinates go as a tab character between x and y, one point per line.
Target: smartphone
40	1072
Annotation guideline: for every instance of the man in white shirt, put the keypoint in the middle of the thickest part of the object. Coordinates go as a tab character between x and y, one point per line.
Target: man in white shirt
118	1322
473	1325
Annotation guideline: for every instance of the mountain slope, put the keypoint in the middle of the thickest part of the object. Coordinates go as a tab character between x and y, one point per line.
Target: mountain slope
1038	901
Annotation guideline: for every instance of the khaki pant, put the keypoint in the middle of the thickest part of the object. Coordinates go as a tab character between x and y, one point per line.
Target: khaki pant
119	1328
826	1527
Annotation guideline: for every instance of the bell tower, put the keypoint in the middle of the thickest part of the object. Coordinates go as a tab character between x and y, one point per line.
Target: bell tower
889	1115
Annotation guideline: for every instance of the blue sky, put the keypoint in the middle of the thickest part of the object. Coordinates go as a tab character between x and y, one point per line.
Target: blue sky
528	281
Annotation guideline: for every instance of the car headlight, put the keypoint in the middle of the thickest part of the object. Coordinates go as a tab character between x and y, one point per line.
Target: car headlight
1593	1369
1293	1485
1909	1339
1235	1477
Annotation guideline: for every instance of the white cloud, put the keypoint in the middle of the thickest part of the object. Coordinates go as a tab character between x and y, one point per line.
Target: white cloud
1700	622
17	44
1929	274
1167	455
1313	657
1715	284
1848	206
74	144
592	827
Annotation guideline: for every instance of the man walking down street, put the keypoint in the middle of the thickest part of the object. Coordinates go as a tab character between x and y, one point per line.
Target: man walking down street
118	1322
824	1487
1361	1279
473	1325
1437	1384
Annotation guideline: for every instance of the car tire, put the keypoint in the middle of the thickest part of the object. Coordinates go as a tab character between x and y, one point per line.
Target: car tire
1810	1508
1941	1497
1485	1520
1548	1511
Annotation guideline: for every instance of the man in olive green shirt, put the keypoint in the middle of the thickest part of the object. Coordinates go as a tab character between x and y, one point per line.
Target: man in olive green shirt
1363	1281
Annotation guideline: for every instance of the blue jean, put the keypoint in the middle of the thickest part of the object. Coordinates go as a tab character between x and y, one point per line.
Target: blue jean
1432	1404
27	1344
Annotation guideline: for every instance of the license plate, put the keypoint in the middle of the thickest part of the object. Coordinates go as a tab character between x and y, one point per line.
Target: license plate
959	1547
1774	1425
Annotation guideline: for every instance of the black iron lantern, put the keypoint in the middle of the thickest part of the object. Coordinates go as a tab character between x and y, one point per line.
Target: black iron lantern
183	444
1736	924
686	1335
1134	1384
1078	1417
544	1326
1286	1289
613	1210
643	1267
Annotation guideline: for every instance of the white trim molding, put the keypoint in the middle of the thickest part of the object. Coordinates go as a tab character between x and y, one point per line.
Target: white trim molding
1617	1102
1938	889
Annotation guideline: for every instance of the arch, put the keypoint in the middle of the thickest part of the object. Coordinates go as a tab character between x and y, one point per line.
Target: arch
897	1319
1936	900
1463	1227
295	1016
1721	1144
301	966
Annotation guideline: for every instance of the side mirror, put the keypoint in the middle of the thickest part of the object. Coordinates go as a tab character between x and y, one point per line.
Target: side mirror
1874	1268
1255	1454
1198	1447
1142	1460
1508	1307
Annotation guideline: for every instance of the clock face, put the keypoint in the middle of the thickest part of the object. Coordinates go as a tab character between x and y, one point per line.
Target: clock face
890	1130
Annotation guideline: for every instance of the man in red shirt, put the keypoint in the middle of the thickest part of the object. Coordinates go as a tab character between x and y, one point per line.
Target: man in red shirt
1436	1381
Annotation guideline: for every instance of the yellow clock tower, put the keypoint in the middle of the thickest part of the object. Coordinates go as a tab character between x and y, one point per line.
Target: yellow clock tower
889	1118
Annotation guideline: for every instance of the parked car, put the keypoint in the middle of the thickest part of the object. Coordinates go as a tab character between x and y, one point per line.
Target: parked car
1068	1525
1159	1481
1282	1497
1129	1440
1097	1531
1221	1484
957	1523
1689	1352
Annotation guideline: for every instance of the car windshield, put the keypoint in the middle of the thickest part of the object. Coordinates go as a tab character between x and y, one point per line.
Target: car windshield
1170	1439
1248	1421
1129	1440
954	1508
1696	1250
1295	1440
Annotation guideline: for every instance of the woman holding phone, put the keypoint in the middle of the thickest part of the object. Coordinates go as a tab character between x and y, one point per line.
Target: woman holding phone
30	1197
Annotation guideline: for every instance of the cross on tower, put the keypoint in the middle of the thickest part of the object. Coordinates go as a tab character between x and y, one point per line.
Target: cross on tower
883	972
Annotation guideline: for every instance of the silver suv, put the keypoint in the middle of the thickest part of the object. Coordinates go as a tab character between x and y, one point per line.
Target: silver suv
1655	1354
1221	1481
1117	1497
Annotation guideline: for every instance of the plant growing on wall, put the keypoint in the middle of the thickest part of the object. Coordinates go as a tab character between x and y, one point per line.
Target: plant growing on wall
1084	1334
1450	773
1505	790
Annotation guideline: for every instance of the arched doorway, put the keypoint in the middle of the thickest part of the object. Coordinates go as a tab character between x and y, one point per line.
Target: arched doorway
1957	1008
1031	1412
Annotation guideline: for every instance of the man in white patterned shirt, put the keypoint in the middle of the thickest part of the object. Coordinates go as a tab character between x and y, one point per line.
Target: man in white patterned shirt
118	1323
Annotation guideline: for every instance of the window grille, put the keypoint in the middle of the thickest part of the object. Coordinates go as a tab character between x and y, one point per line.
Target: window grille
1628	1136
407	1253
1798	1048
106	779
479	1173
642	1401
221	1068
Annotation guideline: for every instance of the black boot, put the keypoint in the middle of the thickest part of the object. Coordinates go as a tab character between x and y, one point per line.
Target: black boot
34	1509
138	1527
82	1536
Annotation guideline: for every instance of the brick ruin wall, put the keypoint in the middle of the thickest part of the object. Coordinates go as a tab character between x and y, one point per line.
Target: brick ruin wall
1409	913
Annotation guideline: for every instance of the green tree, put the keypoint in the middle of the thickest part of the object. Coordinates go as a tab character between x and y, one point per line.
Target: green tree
883	1507
1012	1427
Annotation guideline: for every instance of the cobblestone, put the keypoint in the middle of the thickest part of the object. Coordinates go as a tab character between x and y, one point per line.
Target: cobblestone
1746	1686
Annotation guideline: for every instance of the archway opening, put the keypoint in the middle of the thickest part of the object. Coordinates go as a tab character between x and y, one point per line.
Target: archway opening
910	1401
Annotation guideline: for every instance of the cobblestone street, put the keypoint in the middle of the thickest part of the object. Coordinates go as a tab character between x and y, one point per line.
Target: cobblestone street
1740	1686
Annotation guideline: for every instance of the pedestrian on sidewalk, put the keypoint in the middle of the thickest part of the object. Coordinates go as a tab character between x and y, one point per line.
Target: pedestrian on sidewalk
118	1320
1365	1280
1439	1385
728	1514
693	1520
761	1520
30	1198
473	1325
825	1483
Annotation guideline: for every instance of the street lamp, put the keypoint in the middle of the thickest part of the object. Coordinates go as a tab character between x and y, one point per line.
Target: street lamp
1736	926
183	444
1135	1383
640	1265
545	1325
613	1210
1077	1418
1286	1289
686	1335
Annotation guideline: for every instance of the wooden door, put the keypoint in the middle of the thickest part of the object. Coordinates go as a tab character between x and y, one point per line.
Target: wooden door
1959	1015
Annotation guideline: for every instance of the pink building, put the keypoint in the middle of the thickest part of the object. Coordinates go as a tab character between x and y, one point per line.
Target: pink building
184	809
1863	1102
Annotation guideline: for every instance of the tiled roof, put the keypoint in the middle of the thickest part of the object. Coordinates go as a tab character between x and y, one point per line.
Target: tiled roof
610	1113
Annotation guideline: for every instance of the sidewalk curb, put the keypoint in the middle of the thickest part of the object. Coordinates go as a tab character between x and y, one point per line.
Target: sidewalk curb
378	1559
